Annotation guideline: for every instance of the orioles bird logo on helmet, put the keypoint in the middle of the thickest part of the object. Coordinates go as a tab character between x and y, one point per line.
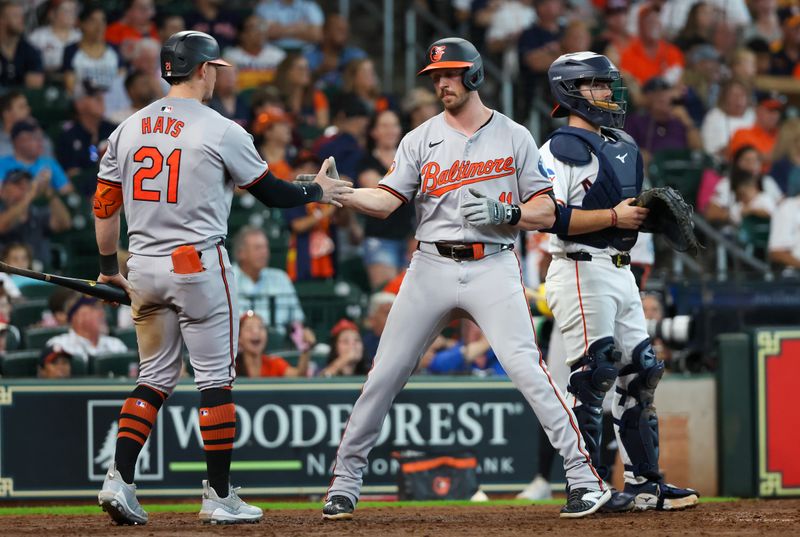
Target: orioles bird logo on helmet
437	53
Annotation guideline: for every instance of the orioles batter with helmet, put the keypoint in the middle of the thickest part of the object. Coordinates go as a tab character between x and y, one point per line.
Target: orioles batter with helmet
476	179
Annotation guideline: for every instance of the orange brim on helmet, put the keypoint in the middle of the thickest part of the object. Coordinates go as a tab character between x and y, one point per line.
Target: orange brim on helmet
220	62
445	65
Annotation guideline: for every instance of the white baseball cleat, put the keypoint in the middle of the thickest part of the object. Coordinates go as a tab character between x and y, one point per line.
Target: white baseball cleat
538	489
229	510
583	502
118	499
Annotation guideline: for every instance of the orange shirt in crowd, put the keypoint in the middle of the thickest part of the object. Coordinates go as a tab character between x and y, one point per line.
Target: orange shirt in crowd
282	170
273	366
118	32
757	137
635	60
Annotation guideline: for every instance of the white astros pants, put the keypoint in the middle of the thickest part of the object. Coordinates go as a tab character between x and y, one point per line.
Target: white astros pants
490	291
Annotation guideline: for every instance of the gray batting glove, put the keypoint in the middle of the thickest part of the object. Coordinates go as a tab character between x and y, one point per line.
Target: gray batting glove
334	190
483	211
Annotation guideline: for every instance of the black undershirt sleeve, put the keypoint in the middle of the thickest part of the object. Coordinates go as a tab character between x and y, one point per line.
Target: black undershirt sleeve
274	192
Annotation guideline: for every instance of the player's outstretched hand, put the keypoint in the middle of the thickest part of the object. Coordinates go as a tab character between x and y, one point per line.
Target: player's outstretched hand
482	211
630	216
334	190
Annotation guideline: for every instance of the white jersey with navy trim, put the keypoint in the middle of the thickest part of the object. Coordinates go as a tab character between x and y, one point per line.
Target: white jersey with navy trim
178	162
436	164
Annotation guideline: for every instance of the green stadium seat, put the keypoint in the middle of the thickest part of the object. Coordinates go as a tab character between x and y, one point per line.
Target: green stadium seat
37	289
277	339
754	233
51	105
27	313
13	338
681	169
117	364
20	363
36	338
127	335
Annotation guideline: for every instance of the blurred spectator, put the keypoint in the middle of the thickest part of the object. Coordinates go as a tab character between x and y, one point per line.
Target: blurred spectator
18	254
58	304
52	39
227	100
146	58
348	146
361	80
169	23
698	28
786	52
255	58
136	23
419	105
763	54
702	81
504	28
55	363
743	64
538	46
83	139
347	351
308	105
211	17
576	37
786	166
471	352
87	331
733	112
661	124
766	24
764	132
784	246
328	59
292	24
312	247
141	90
252	360
745	191
649	54
614	37
267	291
675	12
23	221
4	324
273	131
20	62
654	311
14	107
8	289
384	239
27	141
91	58
379	306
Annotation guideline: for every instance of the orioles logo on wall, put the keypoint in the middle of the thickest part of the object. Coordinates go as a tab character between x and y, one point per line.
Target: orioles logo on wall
441	485
437	52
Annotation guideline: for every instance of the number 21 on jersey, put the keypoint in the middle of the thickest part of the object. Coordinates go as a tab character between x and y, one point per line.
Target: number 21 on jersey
153	162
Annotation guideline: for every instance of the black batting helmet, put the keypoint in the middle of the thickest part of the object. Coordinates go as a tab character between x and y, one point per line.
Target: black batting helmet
184	51
456	53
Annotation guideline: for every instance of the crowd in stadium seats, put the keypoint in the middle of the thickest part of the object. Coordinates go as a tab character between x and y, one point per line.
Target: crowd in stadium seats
710	101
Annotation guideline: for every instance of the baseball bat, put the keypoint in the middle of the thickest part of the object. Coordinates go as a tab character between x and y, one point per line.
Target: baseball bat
103	291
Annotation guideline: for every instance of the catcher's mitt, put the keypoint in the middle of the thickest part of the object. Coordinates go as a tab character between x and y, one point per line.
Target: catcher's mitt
670	215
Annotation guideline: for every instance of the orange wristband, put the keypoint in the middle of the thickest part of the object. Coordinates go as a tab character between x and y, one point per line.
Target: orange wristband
613	217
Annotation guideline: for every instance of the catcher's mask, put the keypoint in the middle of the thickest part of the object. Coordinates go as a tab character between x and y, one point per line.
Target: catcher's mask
571	71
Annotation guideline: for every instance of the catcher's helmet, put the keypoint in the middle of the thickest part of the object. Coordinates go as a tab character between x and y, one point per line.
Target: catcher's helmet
568	71
455	53
184	51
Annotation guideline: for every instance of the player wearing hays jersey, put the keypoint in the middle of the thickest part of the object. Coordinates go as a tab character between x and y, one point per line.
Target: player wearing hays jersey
464	169
174	165
596	171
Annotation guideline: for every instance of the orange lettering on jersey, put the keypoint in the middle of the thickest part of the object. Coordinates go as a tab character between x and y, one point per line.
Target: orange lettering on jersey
177	130
436	182
159	126
145	125
170	123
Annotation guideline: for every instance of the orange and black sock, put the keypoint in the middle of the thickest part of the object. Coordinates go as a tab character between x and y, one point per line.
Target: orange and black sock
136	420
218	428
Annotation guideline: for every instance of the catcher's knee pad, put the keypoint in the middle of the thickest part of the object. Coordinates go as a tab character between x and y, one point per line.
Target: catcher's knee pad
638	425
591	378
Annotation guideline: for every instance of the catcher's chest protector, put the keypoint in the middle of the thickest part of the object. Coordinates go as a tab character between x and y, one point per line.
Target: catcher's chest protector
619	176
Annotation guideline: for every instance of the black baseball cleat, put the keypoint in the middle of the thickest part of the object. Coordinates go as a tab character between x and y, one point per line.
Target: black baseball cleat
661	496
338	508
620	502
583	502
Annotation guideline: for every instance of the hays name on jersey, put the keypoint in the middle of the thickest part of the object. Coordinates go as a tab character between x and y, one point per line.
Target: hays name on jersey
162	125
437	181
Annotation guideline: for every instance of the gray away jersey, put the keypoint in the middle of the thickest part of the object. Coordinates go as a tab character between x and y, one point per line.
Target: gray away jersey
436	165
178	161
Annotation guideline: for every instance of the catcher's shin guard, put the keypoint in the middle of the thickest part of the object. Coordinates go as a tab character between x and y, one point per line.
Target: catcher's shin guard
638	425
591	378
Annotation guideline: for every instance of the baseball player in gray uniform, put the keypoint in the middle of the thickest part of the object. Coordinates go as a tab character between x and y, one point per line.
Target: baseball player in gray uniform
173	166
597	172
475	178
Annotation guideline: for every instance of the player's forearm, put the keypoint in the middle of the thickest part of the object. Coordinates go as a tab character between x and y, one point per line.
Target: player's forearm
588	221
538	213
107	233
374	202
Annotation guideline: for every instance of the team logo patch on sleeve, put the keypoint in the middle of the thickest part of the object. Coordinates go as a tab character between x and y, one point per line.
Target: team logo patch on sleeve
391	168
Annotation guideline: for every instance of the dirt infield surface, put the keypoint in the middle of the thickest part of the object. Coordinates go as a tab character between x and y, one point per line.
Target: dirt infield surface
748	517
